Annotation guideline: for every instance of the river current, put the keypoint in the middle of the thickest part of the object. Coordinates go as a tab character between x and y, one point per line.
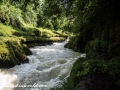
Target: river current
47	67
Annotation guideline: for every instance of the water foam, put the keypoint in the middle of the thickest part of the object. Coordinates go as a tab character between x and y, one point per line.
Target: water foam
46	66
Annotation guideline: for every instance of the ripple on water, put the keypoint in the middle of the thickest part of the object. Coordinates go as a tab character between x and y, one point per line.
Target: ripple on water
46	66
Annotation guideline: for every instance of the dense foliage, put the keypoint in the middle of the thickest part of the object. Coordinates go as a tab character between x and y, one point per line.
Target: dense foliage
26	23
98	24
94	25
40	13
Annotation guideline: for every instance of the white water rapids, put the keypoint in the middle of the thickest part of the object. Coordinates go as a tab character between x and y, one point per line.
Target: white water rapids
46	66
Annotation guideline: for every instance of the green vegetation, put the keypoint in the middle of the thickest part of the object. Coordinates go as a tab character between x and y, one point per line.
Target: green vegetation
25	24
96	23
12	42
22	30
93	27
97	67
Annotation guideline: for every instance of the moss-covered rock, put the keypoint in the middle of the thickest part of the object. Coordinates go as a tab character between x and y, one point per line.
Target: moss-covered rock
95	74
12	54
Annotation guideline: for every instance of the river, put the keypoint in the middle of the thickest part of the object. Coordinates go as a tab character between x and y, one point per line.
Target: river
48	66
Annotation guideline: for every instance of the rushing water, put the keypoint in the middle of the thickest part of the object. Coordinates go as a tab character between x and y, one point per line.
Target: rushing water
47	66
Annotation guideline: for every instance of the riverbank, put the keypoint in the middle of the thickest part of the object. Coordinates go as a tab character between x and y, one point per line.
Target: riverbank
99	70
15	43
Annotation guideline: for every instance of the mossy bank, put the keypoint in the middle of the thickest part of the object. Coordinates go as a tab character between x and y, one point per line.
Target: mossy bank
15	43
